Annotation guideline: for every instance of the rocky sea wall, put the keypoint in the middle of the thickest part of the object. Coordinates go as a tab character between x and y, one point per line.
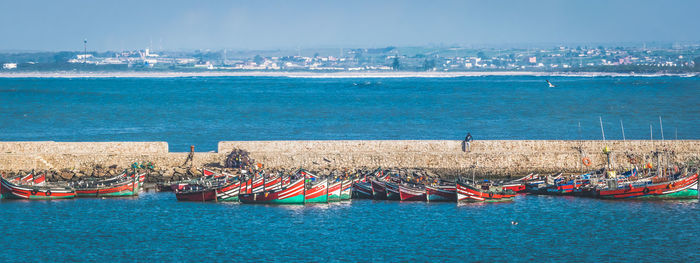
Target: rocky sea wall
444	157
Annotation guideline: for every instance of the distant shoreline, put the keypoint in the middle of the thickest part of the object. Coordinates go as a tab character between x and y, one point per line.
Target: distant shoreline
345	74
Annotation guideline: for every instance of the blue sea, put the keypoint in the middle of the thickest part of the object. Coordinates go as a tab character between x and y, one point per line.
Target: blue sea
201	111
157	228
204	110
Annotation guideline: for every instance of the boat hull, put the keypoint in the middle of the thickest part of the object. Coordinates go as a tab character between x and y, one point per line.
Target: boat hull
678	189
440	194
362	190
468	193
518	188
208	195
411	193
334	191
291	194
229	192
346	190
378	190
128	188
317	193
392	191
14	191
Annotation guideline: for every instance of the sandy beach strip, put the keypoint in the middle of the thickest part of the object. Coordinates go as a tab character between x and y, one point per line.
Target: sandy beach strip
345	74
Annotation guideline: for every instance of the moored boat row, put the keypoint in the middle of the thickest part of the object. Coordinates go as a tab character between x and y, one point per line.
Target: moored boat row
35	187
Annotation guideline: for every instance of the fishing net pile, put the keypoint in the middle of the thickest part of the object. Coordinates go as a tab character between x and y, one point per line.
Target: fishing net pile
238	158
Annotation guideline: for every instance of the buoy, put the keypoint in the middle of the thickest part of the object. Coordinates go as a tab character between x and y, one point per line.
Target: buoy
586	161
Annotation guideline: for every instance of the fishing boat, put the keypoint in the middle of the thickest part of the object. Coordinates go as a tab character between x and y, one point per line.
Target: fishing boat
543	186
484	192
118	186
258	184
362	190
32	191
346	190
392	191
567	185
678	186
196	193
441	193
316	192
293	193
518	185
142	180
334	191
286	180
229	192
243	187
273	183
412	193
378	189
179	185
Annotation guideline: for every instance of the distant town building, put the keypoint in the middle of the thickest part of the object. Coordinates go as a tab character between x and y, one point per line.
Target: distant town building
9	66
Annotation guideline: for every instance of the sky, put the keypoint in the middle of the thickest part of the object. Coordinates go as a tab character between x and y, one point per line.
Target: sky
49	25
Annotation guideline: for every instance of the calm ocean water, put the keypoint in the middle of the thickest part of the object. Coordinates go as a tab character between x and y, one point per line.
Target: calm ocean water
155	227
203	111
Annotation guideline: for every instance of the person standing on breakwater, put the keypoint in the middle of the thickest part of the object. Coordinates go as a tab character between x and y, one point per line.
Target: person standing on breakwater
467	143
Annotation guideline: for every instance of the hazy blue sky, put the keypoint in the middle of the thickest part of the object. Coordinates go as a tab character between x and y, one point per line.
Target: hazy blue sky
186	24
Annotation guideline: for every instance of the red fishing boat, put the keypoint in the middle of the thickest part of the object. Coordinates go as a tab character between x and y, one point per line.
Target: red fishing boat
518	185
346	190
204	190
412	193
286	180
441	193
292	193
273	183
243	188
258	184
334	191
229	192
317	192
484	192
675	186
113	187
196	193
29	190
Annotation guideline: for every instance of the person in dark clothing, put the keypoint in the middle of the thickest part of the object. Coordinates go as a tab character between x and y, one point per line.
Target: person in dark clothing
467	143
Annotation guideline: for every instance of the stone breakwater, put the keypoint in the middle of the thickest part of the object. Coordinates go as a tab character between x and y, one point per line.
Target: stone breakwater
443	157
